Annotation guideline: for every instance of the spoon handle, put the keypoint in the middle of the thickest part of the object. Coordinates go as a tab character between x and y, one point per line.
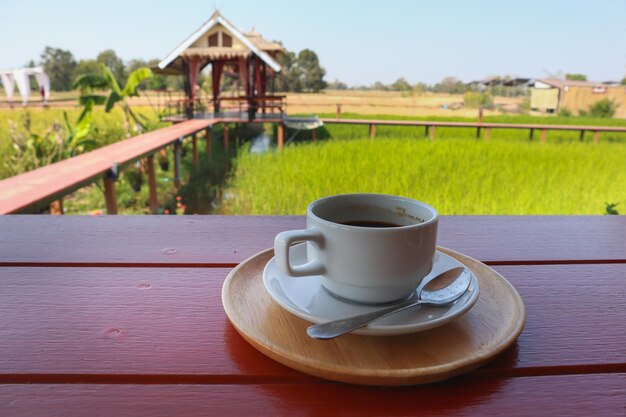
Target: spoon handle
332	329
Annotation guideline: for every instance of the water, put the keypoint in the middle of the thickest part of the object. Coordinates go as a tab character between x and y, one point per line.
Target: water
260	144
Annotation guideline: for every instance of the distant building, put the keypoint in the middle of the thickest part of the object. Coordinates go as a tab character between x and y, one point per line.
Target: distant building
550	96
502	86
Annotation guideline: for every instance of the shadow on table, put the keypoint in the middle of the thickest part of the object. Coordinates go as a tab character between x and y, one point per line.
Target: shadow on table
290	390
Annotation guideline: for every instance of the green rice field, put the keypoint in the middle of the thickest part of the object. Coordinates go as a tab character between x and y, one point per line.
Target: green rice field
457	175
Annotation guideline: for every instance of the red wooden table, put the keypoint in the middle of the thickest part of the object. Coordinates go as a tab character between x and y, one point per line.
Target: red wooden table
121	316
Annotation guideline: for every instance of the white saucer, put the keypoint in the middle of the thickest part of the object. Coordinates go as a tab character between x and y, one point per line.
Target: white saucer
306	298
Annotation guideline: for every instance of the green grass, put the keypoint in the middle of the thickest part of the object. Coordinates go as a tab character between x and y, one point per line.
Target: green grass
460	176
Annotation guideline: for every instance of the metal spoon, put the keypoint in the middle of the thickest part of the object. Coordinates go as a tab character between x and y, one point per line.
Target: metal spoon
443	289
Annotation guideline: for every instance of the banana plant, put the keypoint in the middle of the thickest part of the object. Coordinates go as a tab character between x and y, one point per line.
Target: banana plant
76	141
32	150
90	83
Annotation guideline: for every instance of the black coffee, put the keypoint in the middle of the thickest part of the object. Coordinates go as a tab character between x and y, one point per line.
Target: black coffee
370	223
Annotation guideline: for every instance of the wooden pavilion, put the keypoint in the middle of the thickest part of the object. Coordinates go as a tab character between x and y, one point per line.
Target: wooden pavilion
220	44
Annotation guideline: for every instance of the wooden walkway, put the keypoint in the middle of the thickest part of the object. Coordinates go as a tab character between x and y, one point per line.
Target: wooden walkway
53	181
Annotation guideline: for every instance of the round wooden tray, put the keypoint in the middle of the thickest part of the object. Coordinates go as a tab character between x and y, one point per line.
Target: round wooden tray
494	323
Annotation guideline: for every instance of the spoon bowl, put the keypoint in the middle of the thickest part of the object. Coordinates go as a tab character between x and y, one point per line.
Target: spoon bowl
439	291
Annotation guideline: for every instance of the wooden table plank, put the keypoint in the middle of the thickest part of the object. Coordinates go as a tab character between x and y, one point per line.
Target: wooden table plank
168	325
227	240
571	395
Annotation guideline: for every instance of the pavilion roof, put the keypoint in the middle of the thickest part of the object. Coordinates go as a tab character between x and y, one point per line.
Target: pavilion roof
253	44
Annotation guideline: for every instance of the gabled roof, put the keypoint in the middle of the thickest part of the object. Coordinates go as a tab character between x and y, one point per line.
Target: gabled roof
254	42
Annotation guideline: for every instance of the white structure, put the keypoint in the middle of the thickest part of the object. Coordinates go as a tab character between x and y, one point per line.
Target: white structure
19	78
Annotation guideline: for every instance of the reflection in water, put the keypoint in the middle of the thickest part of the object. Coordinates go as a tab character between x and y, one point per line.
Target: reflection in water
260	144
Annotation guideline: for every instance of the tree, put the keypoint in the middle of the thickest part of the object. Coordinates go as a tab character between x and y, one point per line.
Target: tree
59	65
337	85
291	74
110	59
86	66
603	108
576	77
450	85
379	86
312	71
401	85
624	81
420	88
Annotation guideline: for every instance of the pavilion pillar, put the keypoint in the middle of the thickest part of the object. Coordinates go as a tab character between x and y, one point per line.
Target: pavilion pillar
193	70
263	85
243	75
216	77
187	109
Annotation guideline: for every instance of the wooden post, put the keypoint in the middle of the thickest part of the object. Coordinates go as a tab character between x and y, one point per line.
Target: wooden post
487	133
207	139
226	137
480	115
314	134
582	135
372	131
478	133
433	133
152	184
596	136
177	165
532	134
194	150
338	111
56	207
426	129
109	195
544	134
237	135
281	135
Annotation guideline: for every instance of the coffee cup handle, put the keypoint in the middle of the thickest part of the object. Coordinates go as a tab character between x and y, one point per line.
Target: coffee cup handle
285	240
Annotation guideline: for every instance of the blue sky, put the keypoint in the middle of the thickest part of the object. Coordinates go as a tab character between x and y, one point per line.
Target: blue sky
358	42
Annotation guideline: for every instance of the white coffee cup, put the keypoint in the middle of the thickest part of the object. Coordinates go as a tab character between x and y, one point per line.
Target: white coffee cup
364	263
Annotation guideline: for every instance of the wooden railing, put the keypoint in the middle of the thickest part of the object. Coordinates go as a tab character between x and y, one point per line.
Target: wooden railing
237	104
431	127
